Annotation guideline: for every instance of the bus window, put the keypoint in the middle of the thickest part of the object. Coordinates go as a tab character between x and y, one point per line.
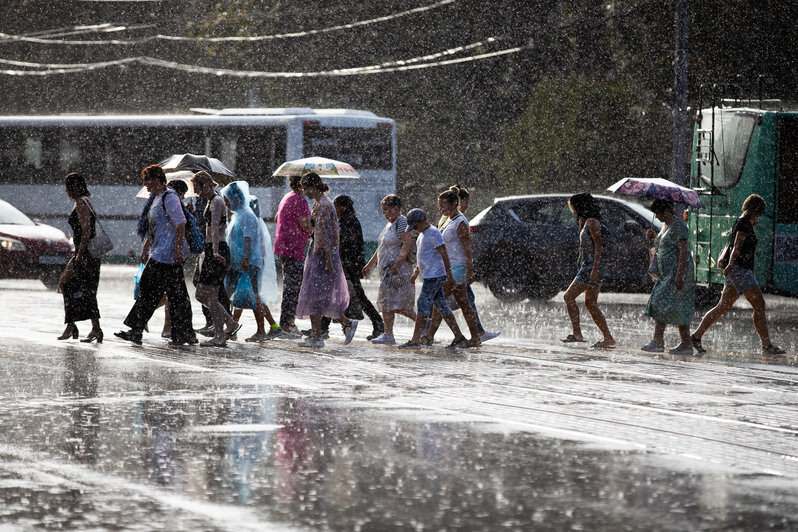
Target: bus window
732	136
253	153
363	148
788	172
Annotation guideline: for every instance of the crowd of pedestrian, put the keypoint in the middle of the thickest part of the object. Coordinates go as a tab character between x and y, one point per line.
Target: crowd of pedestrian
321	251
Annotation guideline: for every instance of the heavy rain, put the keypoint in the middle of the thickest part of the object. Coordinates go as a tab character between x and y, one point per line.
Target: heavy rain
678	118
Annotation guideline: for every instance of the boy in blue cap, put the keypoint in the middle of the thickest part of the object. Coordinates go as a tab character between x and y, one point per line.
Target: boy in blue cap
435	269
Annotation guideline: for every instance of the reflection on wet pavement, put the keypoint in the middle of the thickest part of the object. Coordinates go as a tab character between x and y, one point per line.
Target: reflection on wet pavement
522	434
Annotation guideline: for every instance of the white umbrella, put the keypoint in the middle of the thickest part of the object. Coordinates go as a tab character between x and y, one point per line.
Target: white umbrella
320	165
182	175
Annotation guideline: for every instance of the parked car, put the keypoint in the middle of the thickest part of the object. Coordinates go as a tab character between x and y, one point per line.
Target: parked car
527	246
29	250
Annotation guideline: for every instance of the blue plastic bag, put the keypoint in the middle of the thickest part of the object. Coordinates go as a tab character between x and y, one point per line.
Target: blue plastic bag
137	281
244	296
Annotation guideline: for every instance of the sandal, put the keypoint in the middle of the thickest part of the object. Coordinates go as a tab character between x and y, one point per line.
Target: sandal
571	338
471	343
604	345
697	345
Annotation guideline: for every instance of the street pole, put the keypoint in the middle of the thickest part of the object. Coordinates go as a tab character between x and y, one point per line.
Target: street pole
680	118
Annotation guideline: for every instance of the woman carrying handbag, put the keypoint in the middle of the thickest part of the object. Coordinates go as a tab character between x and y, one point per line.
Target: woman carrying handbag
81	276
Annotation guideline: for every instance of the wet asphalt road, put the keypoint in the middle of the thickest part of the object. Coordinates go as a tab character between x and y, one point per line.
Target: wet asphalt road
525	433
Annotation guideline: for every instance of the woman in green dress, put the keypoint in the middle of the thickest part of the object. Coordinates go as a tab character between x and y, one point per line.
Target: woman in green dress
673	297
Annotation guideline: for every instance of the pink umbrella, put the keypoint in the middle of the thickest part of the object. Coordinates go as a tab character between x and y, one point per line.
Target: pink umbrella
657	188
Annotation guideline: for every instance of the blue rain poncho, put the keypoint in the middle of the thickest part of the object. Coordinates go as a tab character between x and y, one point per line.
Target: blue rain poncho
246	224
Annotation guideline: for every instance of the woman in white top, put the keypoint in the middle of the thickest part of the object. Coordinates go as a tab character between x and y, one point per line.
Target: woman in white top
455	233
395	257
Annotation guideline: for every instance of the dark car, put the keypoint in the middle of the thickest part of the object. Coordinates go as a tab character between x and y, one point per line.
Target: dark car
29	250
527	246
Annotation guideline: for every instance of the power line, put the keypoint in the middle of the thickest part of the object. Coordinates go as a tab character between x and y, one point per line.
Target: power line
256	38
414	63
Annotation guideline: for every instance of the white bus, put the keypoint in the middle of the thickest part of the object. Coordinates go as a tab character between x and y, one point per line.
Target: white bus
36	153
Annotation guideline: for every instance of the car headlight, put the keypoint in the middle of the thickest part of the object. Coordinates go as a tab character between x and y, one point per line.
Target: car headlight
9	244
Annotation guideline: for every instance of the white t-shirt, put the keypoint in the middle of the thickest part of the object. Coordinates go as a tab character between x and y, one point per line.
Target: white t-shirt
430	262
454	247
163	227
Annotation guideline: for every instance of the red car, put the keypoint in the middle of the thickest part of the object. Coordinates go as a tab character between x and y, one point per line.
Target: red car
29	250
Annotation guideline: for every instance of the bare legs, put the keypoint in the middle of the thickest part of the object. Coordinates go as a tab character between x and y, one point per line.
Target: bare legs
591	304
461	296
209	296
388	318
727	299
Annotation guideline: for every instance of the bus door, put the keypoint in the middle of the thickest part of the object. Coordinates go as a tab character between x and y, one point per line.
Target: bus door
785	238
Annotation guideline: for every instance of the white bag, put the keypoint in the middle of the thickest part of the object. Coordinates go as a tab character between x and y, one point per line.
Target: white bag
101	243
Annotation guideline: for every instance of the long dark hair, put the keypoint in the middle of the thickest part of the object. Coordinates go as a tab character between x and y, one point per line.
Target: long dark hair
585	206
76	185
342	200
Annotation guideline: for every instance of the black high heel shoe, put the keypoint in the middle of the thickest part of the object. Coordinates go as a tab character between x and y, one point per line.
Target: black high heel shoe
70	331
94	335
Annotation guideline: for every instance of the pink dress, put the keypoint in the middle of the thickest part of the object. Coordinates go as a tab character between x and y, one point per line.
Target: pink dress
323	293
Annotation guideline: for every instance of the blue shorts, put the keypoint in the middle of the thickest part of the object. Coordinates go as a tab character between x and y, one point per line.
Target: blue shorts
742	279
432	294
459	272
586	268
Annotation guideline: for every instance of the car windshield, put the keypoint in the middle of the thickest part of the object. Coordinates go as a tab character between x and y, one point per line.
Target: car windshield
10	215
645	213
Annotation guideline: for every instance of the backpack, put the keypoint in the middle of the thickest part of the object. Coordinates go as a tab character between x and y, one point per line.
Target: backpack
194	235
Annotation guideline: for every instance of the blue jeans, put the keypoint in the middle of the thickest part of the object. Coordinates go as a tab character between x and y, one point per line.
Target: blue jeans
432	294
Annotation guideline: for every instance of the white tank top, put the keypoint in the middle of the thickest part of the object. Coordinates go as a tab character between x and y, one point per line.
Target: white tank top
454	247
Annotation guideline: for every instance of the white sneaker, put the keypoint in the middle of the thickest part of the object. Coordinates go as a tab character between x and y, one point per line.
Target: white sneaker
384	339
349	331
311	342
653	347
489	335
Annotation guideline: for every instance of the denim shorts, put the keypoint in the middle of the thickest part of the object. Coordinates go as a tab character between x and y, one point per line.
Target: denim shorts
459	272
741	279
586	268
432	294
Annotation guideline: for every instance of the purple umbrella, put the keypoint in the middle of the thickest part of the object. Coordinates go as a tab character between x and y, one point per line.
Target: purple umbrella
657	188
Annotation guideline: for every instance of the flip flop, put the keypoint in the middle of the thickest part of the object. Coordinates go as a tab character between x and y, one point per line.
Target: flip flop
602	345
571	338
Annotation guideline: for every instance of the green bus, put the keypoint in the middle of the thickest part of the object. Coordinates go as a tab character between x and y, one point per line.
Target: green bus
738	151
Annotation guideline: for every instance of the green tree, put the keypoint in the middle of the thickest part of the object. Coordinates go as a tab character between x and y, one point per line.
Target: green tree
581	134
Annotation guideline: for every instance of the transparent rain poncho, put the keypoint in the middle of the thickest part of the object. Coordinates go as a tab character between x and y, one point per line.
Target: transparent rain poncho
245	223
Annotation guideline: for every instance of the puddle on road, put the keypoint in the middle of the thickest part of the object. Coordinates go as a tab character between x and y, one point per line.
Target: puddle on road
236	457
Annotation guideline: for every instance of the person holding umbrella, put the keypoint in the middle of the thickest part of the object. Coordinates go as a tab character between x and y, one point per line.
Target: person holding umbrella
216	259
739	278
672	299
324	290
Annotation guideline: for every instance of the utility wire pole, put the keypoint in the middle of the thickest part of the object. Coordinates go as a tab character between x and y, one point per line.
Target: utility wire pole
680	118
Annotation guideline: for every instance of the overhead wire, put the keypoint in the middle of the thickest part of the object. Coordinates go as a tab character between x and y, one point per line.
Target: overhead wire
414	63
254	38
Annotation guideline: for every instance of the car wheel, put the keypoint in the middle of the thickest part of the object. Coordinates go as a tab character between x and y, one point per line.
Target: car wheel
51	278
508	282
543	291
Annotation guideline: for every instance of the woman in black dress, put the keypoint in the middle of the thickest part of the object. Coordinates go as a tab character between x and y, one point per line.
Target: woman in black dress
82	274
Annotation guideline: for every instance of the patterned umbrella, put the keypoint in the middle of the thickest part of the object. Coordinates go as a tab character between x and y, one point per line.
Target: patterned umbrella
657	188
322	166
